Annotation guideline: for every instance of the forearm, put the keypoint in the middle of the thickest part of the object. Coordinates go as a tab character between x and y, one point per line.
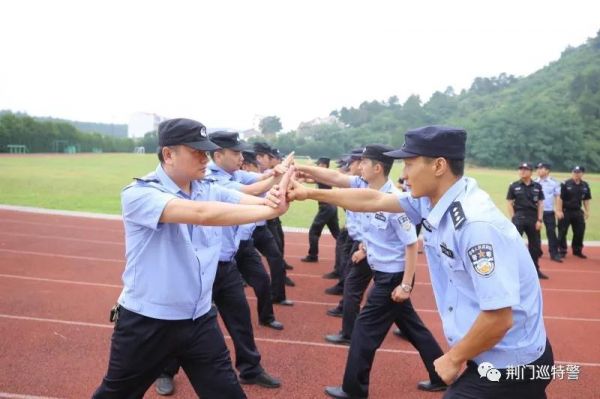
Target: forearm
357	199
211	213
510	209
259	187
410	264
540	213
326	176
487	330
251	200
586	206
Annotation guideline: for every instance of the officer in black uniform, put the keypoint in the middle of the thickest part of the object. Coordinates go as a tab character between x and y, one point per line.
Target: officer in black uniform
327	215
572	193
526	208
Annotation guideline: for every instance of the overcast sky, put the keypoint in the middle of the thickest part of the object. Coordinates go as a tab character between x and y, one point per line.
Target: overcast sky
227	62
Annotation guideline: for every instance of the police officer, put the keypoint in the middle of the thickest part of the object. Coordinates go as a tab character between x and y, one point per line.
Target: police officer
264	240
326	216
225	169
486	288
389	244
173	237
573	193
525	199
551	188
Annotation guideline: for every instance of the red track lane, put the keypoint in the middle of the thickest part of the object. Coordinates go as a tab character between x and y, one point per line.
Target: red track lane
59	275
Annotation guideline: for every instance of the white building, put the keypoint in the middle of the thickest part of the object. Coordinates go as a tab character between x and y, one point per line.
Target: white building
141	123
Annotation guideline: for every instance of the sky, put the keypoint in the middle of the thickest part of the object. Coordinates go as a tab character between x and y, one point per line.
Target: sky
228	63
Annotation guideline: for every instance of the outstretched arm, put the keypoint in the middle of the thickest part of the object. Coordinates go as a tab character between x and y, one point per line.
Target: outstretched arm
327	176
353	199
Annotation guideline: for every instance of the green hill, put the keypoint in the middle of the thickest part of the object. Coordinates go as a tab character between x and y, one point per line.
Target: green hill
551	115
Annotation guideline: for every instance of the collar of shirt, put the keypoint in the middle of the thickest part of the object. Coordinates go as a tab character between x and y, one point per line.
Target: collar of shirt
444	203
170	185
217	170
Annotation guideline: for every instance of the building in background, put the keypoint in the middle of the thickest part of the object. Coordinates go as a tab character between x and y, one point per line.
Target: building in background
141	123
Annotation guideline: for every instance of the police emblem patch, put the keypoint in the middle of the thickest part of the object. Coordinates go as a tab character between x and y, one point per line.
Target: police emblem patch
482	259
404	222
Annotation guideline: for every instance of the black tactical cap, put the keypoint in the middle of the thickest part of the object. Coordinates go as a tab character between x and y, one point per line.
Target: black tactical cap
276	153
544	165
525	165
263	148
578	169
186	132
378	152
250	157
433	141
229	140
323	160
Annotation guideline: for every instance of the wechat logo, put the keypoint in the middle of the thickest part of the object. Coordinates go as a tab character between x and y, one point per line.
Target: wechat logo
488	371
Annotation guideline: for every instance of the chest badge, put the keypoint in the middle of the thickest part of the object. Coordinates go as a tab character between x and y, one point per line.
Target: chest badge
482	259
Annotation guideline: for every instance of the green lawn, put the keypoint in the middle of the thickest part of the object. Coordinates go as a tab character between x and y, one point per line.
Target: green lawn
92	183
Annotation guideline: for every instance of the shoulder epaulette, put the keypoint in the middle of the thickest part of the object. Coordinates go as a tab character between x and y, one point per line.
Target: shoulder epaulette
146	180
458	214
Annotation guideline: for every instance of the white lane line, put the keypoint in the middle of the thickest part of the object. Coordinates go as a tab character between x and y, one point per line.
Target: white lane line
61	226
291	275
121	243
13	251
9	395
271	340
316	303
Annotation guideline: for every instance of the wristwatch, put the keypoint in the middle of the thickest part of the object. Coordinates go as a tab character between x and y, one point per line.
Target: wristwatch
406	287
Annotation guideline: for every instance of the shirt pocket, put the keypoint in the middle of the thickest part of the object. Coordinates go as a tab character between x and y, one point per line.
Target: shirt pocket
457	273
380	220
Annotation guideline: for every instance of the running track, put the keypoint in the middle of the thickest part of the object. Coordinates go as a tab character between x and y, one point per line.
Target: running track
59	275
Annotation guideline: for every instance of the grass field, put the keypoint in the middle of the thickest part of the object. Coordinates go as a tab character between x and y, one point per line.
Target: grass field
92	183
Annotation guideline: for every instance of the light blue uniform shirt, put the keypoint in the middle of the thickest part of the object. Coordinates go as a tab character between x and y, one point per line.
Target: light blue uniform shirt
477	261
353	225
232	234
169	272
385	235
551	189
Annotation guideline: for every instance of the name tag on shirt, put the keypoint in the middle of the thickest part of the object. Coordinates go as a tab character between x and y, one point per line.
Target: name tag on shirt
447	251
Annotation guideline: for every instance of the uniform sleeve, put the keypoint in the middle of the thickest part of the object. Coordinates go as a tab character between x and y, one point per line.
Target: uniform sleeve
542	196
230	184
357	182
143	205
588	194
563	191
246	177
510	195
411	207
492	263
556	192
403	228
228	195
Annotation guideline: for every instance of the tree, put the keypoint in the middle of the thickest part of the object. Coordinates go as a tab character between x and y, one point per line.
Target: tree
270	125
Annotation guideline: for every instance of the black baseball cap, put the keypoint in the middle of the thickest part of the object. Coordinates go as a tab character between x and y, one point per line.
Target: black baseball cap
525	165
249	157
578	169
181	131
545	165
229	140
276	153
432	141
263	148
378	152
323	160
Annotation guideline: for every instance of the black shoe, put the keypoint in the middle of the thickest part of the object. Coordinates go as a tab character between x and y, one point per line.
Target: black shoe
338	392
288	266
310	259
335	290
542	276
164	385
284	302
335	312
263	379
562	255
331	275
432	386
580	255
398	333
275	325
556	258
337	339
289	282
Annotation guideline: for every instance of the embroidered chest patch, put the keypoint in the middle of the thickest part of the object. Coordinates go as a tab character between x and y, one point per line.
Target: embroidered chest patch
404	222
482	259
